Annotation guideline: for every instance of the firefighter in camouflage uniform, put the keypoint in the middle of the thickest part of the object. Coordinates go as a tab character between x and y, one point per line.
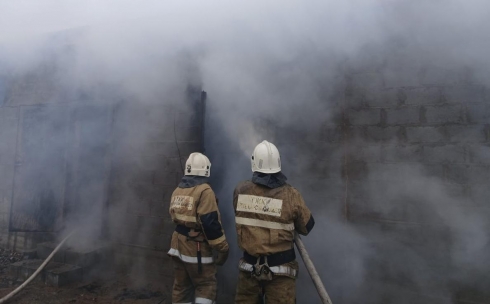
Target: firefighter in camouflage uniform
194	208
268	211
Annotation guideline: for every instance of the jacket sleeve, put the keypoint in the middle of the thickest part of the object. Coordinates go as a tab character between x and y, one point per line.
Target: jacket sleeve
209	217
303	222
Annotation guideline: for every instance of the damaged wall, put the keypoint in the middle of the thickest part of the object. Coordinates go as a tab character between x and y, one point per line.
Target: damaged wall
144	174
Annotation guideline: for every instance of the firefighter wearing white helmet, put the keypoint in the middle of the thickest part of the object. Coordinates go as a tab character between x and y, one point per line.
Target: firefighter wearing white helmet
267	213
194	208
198	164
266	158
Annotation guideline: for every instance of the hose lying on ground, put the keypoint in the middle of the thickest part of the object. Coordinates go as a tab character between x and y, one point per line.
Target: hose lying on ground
33	276
311	270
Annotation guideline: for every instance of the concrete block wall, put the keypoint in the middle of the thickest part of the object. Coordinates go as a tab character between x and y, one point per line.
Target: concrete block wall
437	126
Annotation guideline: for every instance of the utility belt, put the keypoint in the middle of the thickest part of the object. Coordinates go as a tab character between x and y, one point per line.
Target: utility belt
274	259
196	236
264	267
190	233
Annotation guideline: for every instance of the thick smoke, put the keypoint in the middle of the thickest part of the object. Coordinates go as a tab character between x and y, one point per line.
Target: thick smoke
280	71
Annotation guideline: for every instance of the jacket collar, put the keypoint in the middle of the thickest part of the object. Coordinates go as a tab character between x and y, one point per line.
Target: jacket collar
272	181
189	181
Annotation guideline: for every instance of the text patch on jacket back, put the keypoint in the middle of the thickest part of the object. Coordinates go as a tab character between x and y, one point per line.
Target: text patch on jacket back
259	204
182	201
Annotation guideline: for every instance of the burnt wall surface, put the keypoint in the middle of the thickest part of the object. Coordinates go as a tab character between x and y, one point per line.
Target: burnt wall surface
151	145
101	164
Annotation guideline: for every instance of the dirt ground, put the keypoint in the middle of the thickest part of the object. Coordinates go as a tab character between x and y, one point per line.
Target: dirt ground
116	291
111	288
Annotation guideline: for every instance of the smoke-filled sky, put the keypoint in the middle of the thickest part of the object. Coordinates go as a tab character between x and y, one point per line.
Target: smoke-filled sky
269	67
124	41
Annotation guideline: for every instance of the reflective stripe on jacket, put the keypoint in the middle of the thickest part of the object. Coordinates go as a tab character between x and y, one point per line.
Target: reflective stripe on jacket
267	218
196	208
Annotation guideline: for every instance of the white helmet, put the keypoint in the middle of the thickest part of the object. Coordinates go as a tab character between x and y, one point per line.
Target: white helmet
266	158
198	164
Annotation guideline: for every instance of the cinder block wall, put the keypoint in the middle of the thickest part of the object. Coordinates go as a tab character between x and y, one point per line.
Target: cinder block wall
401	135
395	175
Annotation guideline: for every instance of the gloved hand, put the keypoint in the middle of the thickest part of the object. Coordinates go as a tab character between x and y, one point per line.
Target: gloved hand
221	258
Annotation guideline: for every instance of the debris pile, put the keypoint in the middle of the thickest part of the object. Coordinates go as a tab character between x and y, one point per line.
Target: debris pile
8	257
92	287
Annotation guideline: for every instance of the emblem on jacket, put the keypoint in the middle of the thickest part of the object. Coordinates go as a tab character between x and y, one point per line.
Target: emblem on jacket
182	202
259	204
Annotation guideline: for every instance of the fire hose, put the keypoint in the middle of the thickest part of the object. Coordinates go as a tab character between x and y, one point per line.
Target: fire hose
33	276
297	240
317	281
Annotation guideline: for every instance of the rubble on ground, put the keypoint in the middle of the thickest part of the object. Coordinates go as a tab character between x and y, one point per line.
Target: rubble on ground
8	257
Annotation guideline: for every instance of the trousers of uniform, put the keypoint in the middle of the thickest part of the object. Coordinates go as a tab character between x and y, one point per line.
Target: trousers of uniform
190	285
281	290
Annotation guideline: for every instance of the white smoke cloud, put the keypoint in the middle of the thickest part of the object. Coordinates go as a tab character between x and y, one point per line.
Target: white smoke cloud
278	63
